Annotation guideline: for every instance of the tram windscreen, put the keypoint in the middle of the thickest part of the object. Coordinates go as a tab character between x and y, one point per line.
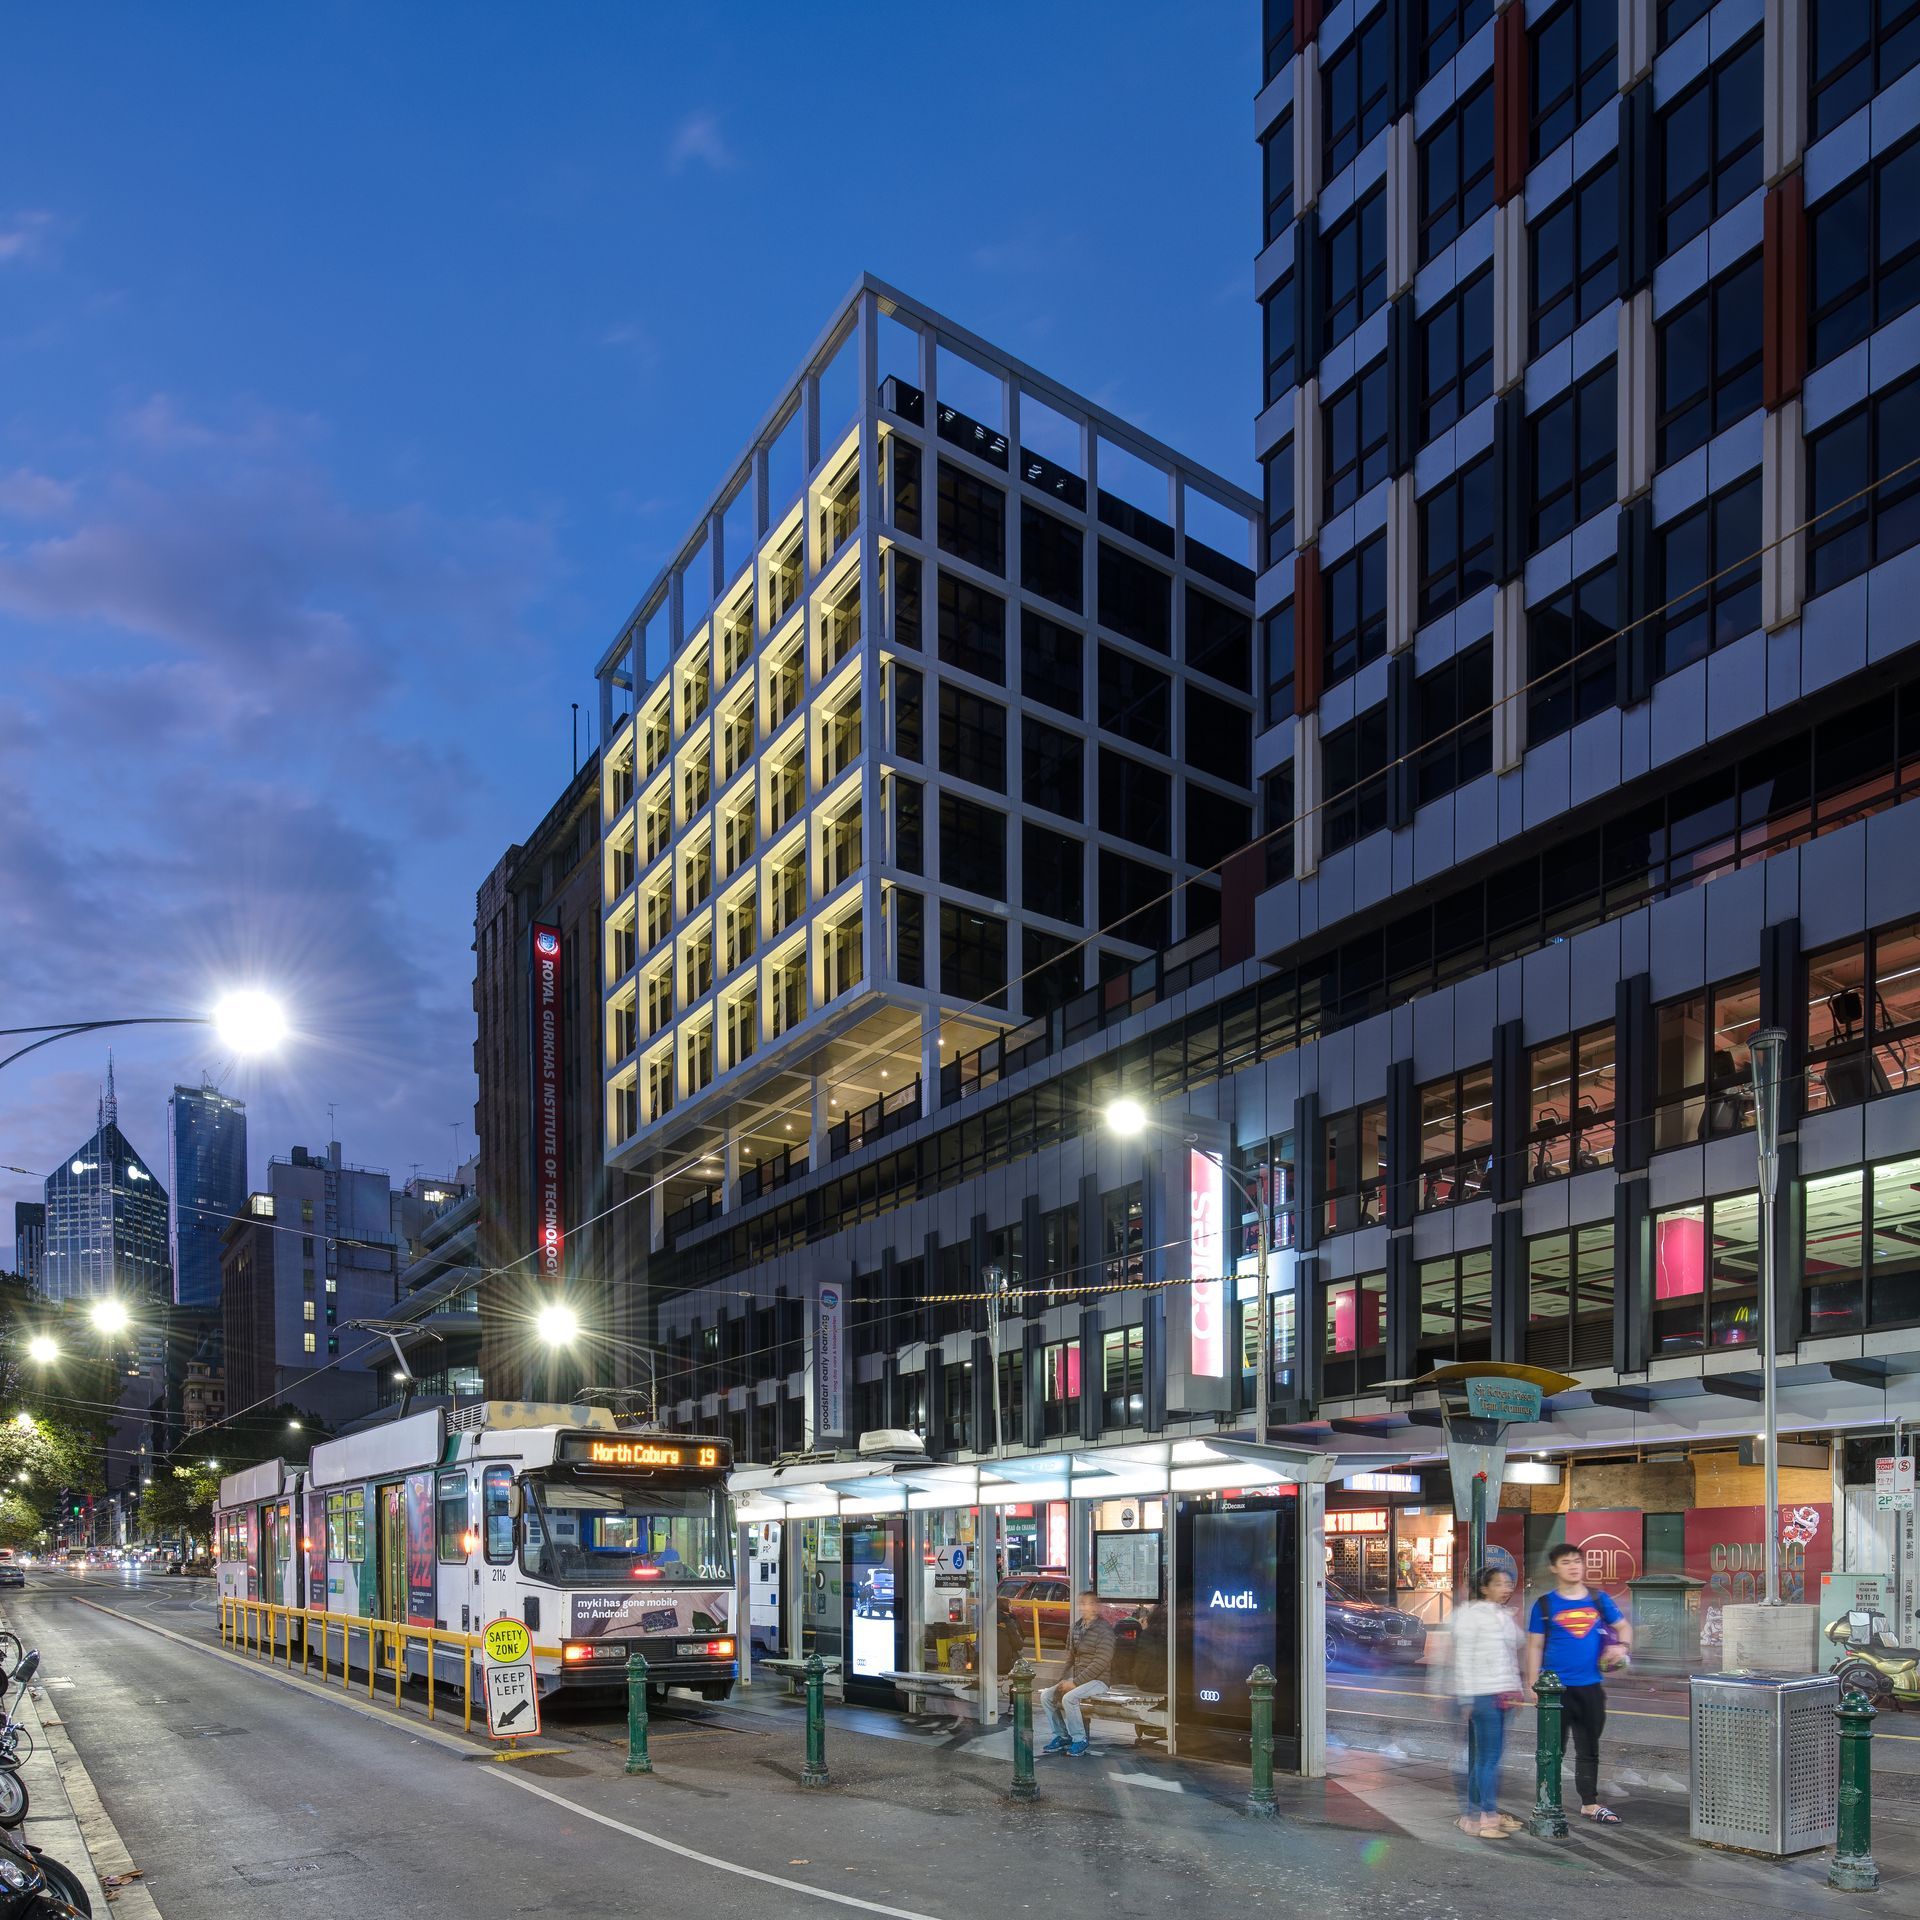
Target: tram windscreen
586	1532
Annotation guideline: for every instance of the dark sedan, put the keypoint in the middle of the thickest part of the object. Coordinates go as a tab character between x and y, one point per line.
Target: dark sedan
1361	1630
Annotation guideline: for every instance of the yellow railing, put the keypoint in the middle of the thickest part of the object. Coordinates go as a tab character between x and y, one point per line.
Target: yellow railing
263	1628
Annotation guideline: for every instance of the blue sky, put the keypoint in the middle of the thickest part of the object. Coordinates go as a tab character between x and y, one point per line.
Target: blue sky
360	364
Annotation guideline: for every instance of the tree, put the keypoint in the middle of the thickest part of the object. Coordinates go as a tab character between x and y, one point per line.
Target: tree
180	1500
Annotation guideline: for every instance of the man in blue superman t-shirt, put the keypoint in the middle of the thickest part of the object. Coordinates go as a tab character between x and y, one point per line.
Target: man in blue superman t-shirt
1570	1629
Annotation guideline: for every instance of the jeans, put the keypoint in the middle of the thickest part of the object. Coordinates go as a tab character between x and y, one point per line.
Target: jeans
1062	1703
1583	1711
1485	1723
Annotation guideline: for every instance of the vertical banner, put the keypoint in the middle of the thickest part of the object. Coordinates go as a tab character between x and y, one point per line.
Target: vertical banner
549	1140
1206	1218
826	1382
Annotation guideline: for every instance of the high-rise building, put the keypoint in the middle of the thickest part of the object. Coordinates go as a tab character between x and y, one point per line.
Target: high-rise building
106	1219
29	1239
207	1170
551	881
301	1259
952	671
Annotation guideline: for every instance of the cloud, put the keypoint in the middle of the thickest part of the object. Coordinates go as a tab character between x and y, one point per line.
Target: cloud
24	235
163	425
27	495
698	139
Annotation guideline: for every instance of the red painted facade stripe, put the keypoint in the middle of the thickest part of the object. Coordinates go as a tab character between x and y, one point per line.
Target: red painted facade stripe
1784	273
1309	637
1240	882
1306	22
1511	103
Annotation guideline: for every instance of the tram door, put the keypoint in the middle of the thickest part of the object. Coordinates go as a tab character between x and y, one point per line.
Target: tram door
391	1521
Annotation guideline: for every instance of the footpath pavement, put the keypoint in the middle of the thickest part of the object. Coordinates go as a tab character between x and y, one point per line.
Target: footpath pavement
65	1817
917	1820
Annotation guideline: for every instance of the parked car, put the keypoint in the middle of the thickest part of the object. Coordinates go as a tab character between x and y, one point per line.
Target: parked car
873	1597
1046	1596
12	1573
1362	1629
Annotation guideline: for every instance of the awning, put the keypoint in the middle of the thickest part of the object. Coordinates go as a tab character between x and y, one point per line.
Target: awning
811	1488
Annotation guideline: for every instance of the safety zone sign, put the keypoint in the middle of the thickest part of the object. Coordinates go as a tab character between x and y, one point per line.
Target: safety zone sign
513	1700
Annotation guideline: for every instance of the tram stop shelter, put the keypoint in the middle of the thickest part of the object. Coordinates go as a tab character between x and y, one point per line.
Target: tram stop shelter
912	1579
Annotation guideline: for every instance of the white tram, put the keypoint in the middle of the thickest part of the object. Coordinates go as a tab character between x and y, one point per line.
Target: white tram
602	1535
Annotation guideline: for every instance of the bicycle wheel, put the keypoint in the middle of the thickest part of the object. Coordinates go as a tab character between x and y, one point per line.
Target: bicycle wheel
11	1651
13	1799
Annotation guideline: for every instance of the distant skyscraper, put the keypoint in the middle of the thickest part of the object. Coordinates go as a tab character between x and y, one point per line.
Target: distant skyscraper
29	1239
207	1170
106	1219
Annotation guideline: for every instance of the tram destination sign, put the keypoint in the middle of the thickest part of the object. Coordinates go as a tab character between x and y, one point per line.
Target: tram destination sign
645	1453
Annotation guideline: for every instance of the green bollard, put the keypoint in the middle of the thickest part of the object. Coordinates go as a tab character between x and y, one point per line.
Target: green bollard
1022	1678
1549	1820
814	1773
1852	1868
638	1759
1260	1797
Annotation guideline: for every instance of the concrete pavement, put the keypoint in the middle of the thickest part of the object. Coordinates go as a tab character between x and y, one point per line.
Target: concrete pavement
243	1792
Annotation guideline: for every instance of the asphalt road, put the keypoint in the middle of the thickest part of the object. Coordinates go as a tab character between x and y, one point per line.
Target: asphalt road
241	1795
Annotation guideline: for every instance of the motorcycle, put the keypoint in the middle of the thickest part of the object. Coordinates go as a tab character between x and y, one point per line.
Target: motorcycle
13	1789
33	1885
1875	1665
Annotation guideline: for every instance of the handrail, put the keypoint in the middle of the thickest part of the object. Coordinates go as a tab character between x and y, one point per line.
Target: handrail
255	1625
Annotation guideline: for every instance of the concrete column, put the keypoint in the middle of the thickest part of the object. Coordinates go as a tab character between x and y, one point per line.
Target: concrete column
1403	200
1403	562
930	1059
729	1172
1308	439
1784	59
1509	294
1509	675
1783	512
821	1121
1636	393
1307	782
1306	126
1637	41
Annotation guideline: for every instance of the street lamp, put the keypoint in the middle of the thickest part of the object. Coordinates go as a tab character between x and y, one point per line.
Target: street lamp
1127	1119
1767	1051
558	1324
109	1315
247	1020
43	1350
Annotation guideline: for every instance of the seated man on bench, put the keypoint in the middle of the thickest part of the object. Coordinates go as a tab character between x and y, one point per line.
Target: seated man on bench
1085	1676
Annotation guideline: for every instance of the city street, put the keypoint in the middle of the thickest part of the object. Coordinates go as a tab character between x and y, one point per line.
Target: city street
240	1792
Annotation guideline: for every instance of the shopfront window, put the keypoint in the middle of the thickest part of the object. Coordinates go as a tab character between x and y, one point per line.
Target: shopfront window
1706	1260
1354	1185
1570	1298
1863	1248
1124	1231
1354	1354
1456	1309
1863	1018
1570	1106
1013	1398
1283	1330
1456	1138
1706	1077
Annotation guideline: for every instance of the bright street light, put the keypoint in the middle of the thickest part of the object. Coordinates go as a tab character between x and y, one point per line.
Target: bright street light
110	1316
1126	1118
42	1350
293	1426
24	1421
213	1466
559	1325
250	1022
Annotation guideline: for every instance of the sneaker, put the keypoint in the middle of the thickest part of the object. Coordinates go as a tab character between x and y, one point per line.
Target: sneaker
1076	1749
1057	1745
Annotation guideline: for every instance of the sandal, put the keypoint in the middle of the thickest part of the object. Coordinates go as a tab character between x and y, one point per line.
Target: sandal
1495	1832
1509	1824
1601	1816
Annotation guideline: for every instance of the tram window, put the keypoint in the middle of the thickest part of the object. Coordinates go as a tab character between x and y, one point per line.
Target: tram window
454	1517
497	1505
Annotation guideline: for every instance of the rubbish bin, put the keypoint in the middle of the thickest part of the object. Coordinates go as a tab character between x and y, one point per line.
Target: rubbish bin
1766	1761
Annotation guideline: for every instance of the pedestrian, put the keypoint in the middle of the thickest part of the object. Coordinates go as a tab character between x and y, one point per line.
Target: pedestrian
1008	1643
1485	1641
1085	1676
1567	1635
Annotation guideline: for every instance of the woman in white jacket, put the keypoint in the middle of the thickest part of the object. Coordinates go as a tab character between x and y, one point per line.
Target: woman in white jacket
1486	1643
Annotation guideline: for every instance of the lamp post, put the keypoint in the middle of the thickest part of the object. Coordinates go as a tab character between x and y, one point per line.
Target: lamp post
1767	1051
1128	1119
248	1021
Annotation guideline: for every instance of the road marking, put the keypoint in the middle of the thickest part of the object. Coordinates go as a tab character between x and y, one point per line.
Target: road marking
1146	1780
707	1859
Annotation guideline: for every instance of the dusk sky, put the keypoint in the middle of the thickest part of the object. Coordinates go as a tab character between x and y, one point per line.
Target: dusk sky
361	366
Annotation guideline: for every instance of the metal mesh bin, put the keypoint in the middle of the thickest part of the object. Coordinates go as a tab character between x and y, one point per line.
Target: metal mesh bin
1766	1761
